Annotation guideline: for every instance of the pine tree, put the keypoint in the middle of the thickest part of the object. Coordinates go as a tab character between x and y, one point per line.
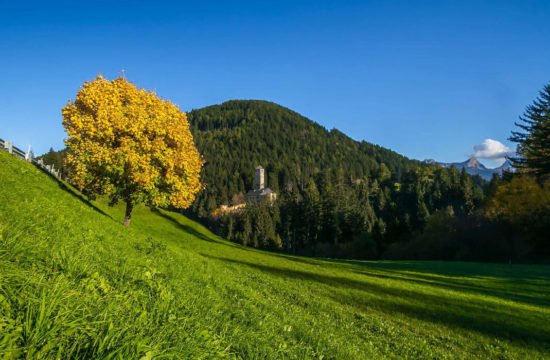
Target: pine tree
534	137
467	192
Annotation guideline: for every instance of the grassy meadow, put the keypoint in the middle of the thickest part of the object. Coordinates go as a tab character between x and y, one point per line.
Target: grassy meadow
74	283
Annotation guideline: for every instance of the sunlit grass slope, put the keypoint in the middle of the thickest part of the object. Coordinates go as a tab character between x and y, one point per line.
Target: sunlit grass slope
74	283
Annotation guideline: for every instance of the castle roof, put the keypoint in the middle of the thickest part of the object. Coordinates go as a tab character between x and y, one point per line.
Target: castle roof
261	192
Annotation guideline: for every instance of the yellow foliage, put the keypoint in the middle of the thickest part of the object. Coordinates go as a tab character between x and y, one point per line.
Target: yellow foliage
131	145
521	198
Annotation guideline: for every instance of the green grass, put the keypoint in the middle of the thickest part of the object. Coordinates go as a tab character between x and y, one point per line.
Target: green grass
74	283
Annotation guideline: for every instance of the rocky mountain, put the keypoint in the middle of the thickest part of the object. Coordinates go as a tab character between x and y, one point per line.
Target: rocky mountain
506	166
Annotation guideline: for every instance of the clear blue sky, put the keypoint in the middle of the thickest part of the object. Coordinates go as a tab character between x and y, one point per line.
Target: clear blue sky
429	79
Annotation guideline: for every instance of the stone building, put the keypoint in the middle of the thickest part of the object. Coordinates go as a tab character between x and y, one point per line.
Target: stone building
260	192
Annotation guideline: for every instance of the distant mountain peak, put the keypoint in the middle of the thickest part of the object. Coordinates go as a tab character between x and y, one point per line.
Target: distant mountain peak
473	163
474	167
506	165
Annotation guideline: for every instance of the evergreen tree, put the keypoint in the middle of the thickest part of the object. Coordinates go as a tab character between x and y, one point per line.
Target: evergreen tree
534	137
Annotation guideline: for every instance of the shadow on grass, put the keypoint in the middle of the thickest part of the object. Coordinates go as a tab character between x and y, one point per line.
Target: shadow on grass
75	193
506	291
186	228
515	272
535	297
501	321
508	285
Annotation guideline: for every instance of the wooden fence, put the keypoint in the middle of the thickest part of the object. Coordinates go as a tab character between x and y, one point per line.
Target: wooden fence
28	156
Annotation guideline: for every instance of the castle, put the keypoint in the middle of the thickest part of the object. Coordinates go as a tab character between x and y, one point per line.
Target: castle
260	192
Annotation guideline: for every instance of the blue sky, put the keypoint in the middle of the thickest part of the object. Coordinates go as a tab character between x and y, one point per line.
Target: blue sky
429	79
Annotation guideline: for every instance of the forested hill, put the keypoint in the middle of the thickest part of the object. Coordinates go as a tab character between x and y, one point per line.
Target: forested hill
236	136
337	197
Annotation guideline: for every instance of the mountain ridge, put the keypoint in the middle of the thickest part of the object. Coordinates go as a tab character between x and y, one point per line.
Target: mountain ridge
474	167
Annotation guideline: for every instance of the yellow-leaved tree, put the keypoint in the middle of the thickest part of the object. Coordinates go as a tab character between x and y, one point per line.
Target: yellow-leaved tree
130	145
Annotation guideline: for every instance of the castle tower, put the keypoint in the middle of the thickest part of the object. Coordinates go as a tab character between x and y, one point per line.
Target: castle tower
259	176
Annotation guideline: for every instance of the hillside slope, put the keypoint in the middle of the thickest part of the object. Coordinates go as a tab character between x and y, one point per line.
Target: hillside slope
236	136
336	197
74	283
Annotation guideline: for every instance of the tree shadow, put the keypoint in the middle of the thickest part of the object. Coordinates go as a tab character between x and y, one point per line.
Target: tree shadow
459	269
502	321
539	298
535	298
77	195
423	273
186	228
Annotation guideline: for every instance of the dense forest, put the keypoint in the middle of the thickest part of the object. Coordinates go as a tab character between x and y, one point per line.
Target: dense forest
338	197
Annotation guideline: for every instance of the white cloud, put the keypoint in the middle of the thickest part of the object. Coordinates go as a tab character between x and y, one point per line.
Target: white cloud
492	150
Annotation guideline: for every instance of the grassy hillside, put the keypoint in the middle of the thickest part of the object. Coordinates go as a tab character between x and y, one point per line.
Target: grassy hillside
75	283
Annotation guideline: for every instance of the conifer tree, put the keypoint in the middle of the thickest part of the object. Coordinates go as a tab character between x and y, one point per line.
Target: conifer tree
534	137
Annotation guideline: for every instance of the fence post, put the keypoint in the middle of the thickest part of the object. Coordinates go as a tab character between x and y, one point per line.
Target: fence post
8	145
29	155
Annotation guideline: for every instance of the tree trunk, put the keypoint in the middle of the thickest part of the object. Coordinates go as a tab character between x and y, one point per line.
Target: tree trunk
128	215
